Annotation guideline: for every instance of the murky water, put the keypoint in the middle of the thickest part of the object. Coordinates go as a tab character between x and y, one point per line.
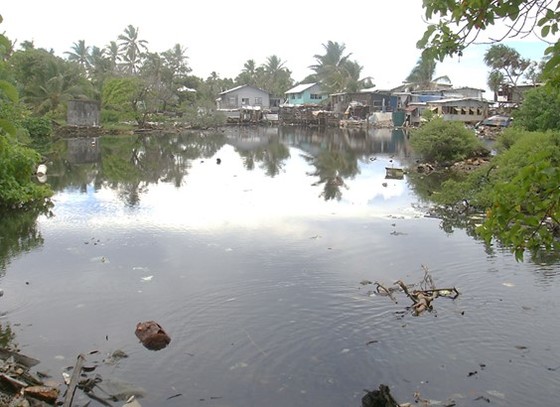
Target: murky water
249	247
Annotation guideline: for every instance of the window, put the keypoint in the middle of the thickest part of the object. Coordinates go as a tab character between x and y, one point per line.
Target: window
244	101
315	96
258	101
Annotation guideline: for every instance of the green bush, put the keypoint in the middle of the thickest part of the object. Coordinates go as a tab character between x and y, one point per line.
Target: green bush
507	138
525	212
540	110
109	116
17	165
441	141
38	127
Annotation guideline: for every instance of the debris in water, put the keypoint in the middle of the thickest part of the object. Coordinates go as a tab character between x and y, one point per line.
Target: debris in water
379	398
152	335
423	297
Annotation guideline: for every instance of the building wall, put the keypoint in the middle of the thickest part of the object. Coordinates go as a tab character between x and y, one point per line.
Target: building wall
311	95
83	113
469	92
467	111
247	96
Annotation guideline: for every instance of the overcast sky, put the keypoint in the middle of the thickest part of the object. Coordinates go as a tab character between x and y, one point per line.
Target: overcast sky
221	35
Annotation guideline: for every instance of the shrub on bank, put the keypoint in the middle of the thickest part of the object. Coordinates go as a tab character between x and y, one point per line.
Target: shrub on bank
441	141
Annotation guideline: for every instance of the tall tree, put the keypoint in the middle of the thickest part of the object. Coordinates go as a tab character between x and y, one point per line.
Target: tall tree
46	81
132	49
422	75
112	53
176	61
495	81
251	74
277	78
335	70
57	84
506	60
80	54
330	66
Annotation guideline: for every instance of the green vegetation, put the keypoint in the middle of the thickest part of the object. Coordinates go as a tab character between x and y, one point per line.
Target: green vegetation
540	110
17	165
336	71
456	25
17	162
443	141
518	190
272	76
422	75
136	86
525	211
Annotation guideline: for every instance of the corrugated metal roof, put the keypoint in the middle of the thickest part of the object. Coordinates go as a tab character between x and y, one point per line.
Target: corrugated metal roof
240	87
301	87
454	100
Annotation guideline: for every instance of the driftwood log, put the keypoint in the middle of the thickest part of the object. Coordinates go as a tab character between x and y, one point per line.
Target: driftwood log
152	335
74	380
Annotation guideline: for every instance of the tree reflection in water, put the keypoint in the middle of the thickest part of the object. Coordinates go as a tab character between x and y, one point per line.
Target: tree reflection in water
20	234
131	164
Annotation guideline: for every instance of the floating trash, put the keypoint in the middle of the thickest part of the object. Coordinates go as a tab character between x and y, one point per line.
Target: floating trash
152	335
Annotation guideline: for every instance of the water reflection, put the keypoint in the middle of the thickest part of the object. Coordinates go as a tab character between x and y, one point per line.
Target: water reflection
129	165
20	234
263	147
256	275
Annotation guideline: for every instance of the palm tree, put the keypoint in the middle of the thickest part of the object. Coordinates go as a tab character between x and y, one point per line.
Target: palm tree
59	82
99	66
273	65
176	61
495	81
251	74
80	54
132	49
330	66
333	57
422	75
277	78
335	70
353	72
112	52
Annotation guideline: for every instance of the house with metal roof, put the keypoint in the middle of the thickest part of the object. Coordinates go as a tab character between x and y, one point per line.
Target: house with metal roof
305	94
243	96
467	110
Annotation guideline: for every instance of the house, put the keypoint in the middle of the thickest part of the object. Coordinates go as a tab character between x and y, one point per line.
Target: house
377	100
465	92
513	95
242	97
305	94
464	104
467	110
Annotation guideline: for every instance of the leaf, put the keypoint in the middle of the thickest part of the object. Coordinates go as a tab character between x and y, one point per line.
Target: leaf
425	38
8	127
9	90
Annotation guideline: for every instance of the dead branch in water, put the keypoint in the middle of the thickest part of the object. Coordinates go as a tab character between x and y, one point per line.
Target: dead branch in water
421	298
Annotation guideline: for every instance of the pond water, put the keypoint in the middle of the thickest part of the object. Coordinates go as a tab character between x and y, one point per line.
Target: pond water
250	246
